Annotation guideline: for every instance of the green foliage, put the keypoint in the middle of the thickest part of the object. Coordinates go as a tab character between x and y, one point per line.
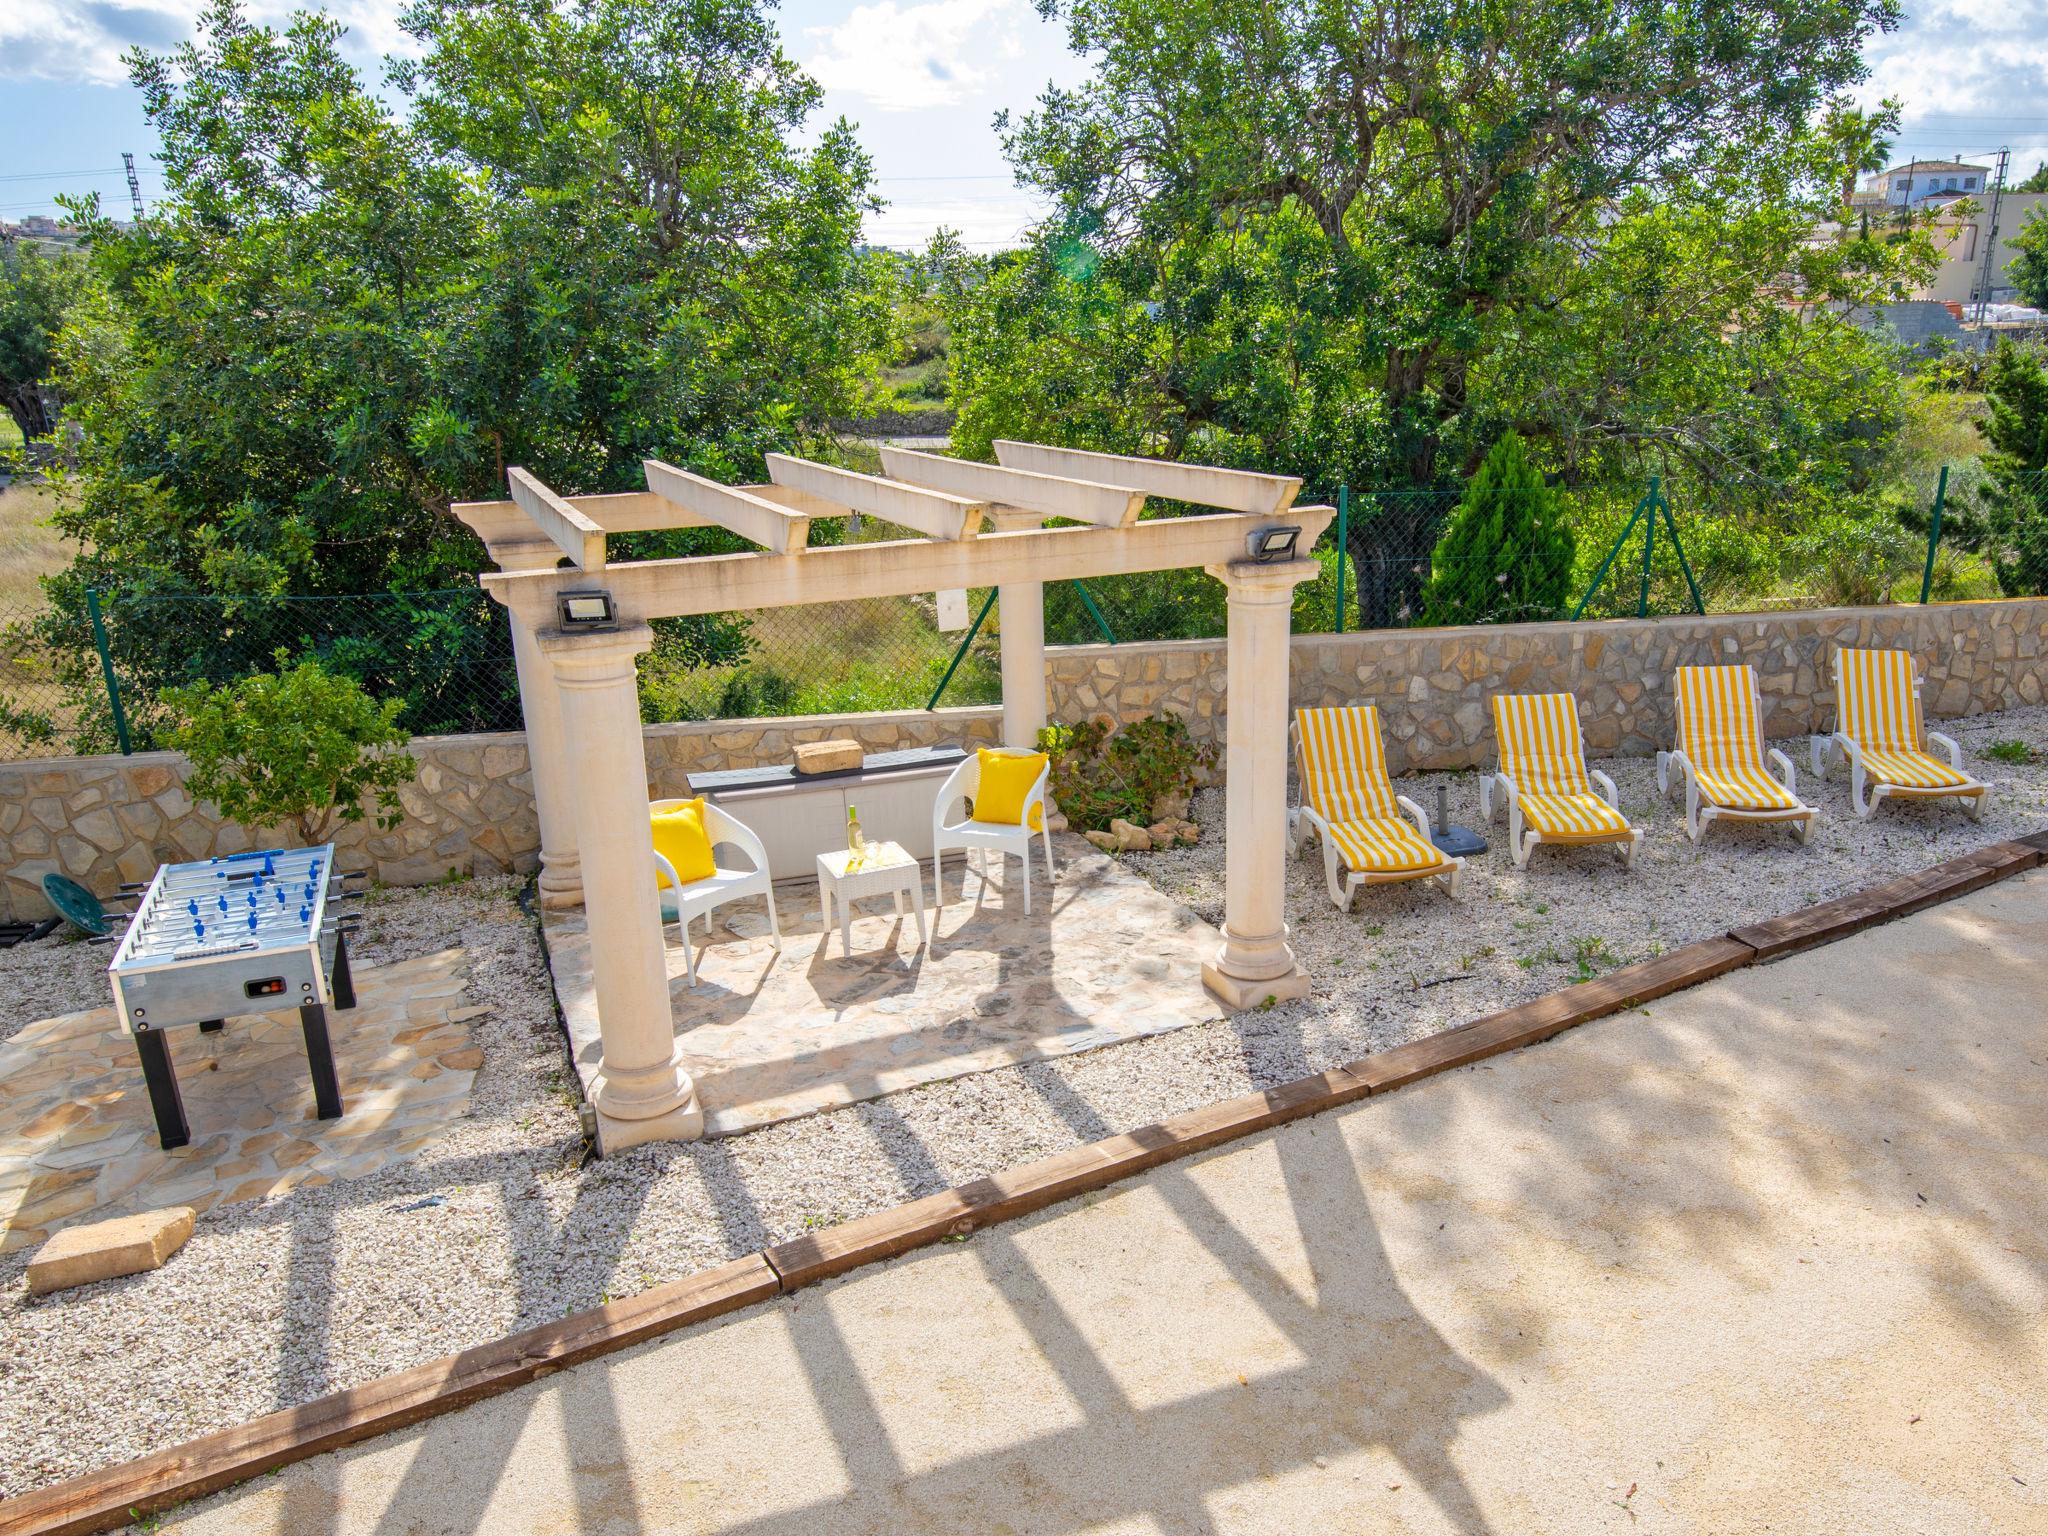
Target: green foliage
37	295
2028	268
1855	558
1506	554
1099	772
2014	502
299	746
1291	238
2011	750
593	237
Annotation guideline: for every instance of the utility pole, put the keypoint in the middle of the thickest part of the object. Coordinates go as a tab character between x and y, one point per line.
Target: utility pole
134	186
1991	238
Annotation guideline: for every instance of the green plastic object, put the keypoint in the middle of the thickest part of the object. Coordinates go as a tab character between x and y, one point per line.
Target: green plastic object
78	905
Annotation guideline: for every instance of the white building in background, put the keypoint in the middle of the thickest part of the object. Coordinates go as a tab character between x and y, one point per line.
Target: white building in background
1921	181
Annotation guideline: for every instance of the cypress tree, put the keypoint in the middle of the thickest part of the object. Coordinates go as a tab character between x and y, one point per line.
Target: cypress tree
1505	555
2016	500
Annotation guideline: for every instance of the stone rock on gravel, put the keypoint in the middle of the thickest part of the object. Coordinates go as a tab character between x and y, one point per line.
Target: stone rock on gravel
101	1250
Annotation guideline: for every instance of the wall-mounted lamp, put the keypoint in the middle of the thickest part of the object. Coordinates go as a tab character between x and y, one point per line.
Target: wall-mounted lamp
589	609
1273	543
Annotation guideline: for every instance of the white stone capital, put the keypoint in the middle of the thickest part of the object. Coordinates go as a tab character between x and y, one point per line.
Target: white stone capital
595	658
1254	581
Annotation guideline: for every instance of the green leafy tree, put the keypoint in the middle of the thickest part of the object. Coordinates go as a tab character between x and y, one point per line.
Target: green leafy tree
2028	267
2038	182
37	294
1402	170
2015	501
298	748
594	238
1506	553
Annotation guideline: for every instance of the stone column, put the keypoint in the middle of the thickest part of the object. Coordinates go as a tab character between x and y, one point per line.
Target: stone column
641	1091
540	702
1021	608
1255	962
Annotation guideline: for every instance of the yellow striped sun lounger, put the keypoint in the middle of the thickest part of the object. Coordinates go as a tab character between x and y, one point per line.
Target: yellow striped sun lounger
1348	800
1722	758
1878	728
1543	772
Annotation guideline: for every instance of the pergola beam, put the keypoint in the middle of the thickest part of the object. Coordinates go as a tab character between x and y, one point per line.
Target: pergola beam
774	528
934	513
663	589
1236	490
1079	501
578	537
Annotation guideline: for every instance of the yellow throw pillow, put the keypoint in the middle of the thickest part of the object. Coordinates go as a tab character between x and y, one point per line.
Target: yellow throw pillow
680	838
1006	778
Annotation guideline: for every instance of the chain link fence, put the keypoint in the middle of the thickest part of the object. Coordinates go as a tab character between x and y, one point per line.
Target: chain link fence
88	674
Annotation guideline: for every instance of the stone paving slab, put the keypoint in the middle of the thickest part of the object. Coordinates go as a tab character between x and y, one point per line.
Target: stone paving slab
78	1141
768	1038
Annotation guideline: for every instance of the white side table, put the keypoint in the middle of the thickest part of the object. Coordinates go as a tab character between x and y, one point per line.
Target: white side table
888	870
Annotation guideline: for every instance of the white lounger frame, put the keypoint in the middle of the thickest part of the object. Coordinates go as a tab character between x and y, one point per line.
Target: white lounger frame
1521	844
696	898
1701	814
1344	882
1865	796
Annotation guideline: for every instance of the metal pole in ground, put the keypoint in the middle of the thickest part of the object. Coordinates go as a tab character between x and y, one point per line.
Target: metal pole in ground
99	640
1934	533
1649	548
1343	553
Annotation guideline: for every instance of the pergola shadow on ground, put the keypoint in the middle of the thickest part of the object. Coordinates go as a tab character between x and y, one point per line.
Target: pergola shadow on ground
1774	1248
579	621
1101	958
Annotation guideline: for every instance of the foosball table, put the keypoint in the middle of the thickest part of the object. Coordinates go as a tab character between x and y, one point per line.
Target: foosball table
248	933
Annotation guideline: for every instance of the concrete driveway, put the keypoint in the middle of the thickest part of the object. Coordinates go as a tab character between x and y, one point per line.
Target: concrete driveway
1771	1255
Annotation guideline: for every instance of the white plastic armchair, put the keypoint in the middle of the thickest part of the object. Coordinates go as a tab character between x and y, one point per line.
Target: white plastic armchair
696	898
964	783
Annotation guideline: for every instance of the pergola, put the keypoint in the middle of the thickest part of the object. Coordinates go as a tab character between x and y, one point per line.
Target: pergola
975	525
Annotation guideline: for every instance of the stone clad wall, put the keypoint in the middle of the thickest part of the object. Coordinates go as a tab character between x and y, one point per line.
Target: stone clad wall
1432	685
103	820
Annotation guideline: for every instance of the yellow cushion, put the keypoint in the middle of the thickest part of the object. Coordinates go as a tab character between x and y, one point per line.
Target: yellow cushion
679	837
1006	778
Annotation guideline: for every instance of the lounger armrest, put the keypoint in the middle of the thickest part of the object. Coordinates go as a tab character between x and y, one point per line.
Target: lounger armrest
1950	749
1513	796
1787	774
1607	789
1416	813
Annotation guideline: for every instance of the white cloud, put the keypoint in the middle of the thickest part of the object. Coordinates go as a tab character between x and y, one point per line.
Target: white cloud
82	40
906	58
1972	75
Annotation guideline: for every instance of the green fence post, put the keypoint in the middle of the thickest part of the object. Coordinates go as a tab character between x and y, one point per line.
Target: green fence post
99	640
1934	533
1649	548
1343	552
1613	550
1678	544
961	654
1095	613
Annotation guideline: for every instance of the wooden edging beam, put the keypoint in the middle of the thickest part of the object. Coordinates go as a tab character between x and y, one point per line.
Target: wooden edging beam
110	1498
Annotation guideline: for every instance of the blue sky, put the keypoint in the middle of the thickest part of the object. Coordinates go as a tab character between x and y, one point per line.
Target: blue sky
921	78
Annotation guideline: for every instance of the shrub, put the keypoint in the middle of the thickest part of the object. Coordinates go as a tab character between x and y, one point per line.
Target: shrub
1853	559
1506	554
301	748
1099	772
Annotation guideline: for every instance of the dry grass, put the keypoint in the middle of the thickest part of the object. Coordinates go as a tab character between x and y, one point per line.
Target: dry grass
28	549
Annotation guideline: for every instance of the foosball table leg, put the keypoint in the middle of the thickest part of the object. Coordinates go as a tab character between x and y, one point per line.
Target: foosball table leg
320	1059
162	1081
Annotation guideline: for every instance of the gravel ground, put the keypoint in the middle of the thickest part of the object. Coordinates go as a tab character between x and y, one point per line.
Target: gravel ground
274	1303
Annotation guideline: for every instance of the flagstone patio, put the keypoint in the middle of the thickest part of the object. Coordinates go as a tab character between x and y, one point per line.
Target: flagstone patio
78	1141
1104	957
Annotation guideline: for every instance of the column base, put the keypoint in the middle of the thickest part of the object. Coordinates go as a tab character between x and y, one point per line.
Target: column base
683	1123
560	885
1239	994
